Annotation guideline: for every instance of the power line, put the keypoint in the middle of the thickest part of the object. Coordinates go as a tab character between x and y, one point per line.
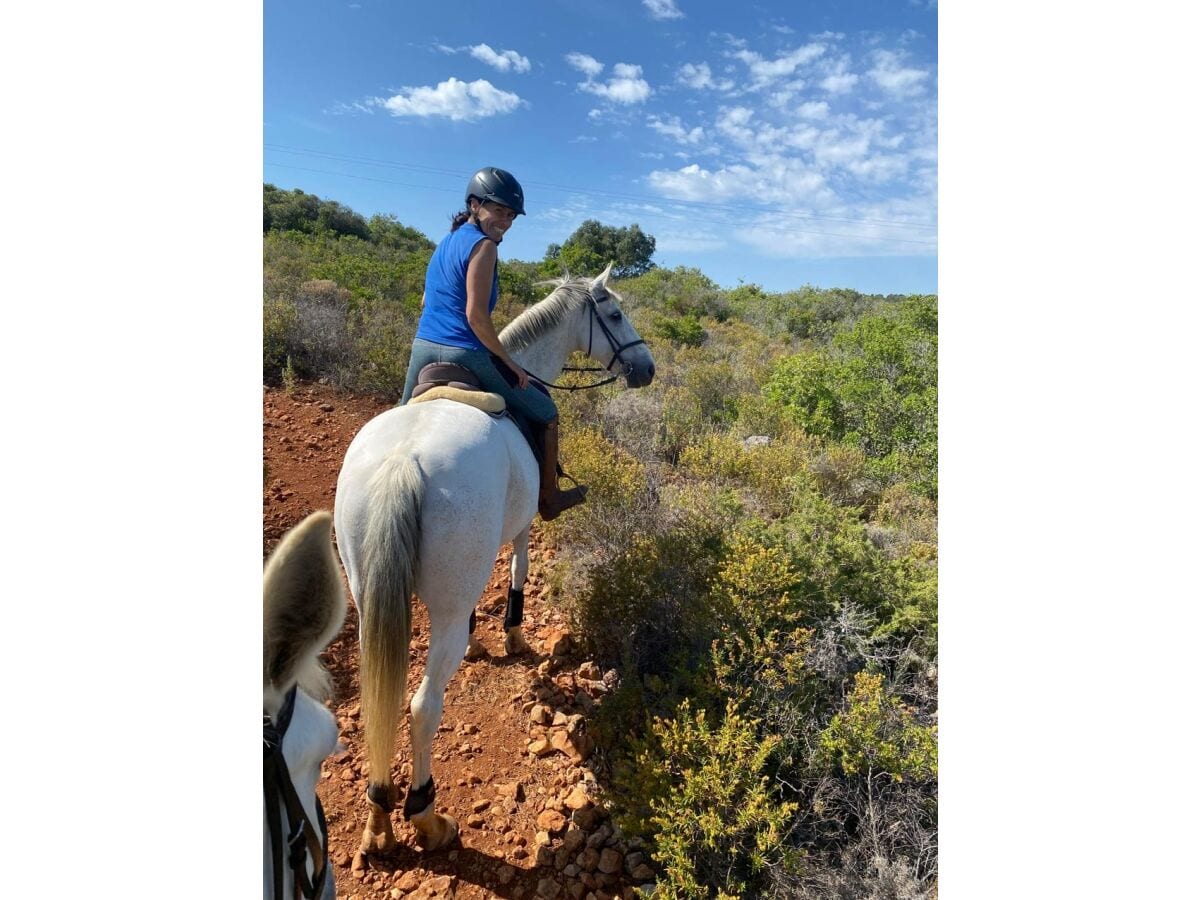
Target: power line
601	192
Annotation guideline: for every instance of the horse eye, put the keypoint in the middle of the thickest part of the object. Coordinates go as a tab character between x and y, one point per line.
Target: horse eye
616	317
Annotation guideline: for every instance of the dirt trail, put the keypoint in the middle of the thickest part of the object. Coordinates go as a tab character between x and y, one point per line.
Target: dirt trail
531	823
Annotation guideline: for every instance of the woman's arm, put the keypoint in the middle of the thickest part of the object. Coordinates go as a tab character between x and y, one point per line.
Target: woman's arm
480	272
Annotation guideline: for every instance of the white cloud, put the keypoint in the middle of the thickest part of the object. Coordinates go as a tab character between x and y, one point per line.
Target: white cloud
782	180
662	9
505	60
626	86
893	78
699	76
695	76
839	84
673	128
451	99
585	64
765	71
814	109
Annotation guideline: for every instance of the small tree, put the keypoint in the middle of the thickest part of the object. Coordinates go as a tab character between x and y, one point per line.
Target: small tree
593	246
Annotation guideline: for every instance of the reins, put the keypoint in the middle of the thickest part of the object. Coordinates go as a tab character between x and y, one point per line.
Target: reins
614	345
302	838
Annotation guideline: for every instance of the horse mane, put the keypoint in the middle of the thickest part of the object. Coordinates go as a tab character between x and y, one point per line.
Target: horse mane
569	294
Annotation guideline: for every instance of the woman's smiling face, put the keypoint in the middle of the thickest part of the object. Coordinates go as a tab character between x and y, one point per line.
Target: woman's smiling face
494	218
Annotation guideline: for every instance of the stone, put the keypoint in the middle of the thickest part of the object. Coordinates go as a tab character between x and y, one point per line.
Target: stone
551	821
475	820
512	790
588	859
548	888
481	805
589	670
586	818
633	860
557	642
408	880
541	714
439	887
506	874
540	747
573	840
643	873
578	798
610	861
577	748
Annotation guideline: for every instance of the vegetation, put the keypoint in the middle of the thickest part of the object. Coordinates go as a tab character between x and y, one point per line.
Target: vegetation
593	246
758	560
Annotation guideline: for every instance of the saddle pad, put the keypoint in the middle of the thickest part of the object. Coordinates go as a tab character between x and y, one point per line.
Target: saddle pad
489	403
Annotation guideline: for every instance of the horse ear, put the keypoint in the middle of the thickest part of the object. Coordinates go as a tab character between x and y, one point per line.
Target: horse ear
600	282
303	604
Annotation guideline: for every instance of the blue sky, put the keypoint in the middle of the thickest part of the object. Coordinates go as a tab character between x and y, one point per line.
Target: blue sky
779	142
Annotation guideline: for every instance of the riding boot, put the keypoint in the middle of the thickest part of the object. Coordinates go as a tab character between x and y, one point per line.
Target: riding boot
552	501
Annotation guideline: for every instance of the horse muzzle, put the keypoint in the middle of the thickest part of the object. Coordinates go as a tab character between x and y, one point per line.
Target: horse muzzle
639	376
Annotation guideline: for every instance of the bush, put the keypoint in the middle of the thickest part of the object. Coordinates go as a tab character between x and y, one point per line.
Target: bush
879	734
704	796
685	330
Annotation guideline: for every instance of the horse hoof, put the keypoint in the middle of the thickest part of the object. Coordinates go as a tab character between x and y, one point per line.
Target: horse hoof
514	642
434	830
475	650
376	842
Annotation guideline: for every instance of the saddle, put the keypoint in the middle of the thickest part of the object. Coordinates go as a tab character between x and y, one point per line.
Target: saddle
447	381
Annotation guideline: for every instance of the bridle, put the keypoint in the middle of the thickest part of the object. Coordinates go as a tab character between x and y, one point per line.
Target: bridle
302	838
613	343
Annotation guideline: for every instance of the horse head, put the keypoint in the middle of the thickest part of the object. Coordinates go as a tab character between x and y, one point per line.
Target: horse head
621	349
303	608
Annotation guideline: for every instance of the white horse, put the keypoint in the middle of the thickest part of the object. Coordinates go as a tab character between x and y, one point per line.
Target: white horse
303	608
427	495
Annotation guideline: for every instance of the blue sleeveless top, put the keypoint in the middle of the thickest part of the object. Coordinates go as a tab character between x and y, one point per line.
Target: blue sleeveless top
444	319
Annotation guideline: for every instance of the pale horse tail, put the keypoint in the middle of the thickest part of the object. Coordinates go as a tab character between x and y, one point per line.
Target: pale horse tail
393	536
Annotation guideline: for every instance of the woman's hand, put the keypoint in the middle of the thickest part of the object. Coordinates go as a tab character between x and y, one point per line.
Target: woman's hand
522	375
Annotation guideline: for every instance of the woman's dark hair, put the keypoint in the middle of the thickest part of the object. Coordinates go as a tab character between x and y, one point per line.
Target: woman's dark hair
460	218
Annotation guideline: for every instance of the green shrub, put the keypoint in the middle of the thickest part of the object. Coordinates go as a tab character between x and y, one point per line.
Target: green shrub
877	733
685	330
702	793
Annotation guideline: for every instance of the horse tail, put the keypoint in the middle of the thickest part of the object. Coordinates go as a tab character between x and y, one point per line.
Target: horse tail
390	544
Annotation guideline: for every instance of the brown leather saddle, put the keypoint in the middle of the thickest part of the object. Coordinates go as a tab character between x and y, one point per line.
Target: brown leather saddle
448	381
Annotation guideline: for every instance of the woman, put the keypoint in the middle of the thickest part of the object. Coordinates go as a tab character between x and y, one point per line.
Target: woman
462	285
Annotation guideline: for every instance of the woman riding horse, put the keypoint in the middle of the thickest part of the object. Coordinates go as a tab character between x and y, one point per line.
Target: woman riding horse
461	289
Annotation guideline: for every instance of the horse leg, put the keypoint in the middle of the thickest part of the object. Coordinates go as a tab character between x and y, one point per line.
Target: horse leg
475	649
447	641
514	612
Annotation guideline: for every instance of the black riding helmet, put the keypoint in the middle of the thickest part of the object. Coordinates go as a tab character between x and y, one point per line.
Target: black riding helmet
498	186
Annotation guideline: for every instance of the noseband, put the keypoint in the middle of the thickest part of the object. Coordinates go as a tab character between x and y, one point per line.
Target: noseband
613	343
302	838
